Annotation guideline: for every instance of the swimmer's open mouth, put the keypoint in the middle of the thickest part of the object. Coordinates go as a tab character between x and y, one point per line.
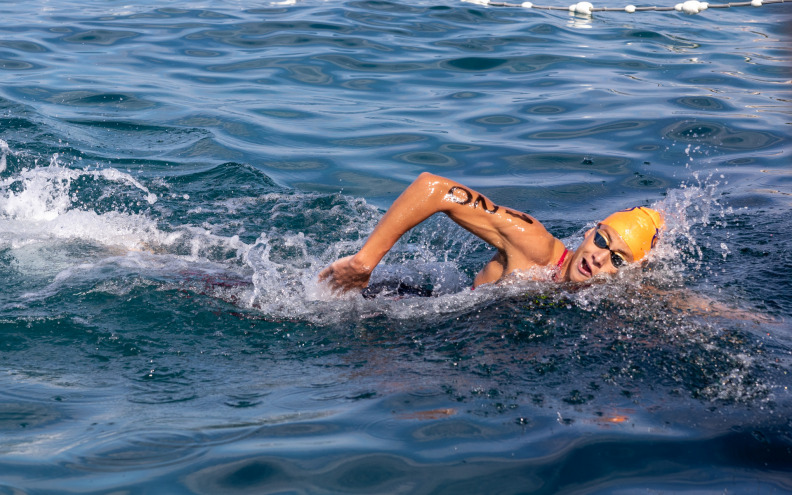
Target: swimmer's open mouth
585	268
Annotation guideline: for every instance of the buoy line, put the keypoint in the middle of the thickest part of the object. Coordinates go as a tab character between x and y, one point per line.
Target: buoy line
586	8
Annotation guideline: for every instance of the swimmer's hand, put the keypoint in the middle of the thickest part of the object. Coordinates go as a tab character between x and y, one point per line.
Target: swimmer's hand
346	274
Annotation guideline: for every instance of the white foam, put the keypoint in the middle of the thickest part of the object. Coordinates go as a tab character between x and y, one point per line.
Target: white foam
4	152
37	205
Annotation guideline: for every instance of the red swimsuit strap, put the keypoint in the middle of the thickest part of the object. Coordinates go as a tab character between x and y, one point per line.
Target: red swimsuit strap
558	265
563	257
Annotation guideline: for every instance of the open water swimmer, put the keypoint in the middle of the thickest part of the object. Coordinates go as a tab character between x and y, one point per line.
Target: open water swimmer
174	178
523	244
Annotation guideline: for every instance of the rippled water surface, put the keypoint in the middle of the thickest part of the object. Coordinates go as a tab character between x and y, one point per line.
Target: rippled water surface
172	179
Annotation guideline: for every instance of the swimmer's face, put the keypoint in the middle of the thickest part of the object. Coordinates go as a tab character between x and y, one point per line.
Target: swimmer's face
590	259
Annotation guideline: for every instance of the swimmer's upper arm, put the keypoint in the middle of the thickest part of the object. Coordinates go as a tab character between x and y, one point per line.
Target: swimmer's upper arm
508	230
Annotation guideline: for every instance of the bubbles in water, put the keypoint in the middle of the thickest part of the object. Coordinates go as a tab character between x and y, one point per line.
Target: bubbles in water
724	249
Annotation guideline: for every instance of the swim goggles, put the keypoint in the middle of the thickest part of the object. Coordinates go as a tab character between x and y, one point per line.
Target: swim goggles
617	259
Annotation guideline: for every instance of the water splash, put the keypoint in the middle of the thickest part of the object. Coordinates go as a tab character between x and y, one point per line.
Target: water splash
44	203
261	253
4	152
299	234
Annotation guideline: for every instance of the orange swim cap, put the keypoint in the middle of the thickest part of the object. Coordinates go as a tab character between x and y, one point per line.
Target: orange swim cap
639	227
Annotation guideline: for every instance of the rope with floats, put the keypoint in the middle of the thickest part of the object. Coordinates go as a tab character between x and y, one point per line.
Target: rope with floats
586	8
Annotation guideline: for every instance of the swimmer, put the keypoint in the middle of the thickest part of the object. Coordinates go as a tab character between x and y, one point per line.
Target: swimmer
521	241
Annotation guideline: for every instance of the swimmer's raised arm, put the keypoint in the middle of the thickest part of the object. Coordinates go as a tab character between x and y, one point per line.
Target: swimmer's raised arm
520	239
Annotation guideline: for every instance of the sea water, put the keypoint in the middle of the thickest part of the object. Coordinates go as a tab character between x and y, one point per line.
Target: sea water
174	176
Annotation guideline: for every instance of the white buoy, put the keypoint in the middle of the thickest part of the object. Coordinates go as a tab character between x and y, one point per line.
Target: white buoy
581	8
586	8
691	7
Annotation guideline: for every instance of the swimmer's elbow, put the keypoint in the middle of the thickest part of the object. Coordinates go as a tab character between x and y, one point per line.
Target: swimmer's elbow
427	176
428	180
431	188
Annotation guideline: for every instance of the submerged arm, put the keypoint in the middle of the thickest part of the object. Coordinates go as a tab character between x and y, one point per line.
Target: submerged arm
702	305
500	227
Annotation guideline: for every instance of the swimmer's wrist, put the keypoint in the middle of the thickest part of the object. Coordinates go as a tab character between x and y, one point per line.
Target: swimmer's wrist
372	252
361	264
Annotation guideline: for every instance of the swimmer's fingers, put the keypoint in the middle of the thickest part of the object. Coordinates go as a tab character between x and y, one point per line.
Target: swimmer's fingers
345	275
329	275
337	284
324	274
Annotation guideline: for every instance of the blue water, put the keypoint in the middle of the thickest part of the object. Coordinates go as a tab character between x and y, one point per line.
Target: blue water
172	179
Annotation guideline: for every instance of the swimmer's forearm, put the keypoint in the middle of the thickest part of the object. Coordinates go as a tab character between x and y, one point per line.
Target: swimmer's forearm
422	199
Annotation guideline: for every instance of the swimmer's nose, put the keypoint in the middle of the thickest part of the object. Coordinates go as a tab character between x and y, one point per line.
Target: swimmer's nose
599	257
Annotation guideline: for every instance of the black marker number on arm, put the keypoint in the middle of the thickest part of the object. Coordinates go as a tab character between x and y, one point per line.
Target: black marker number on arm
483	201
521	216
455	199
469	197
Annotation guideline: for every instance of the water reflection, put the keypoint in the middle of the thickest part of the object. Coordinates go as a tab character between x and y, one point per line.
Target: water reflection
720	135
